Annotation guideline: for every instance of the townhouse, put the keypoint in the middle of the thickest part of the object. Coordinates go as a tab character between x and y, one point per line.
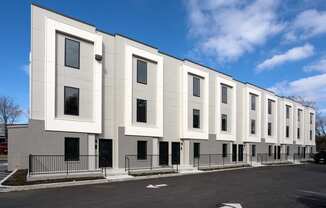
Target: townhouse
96	93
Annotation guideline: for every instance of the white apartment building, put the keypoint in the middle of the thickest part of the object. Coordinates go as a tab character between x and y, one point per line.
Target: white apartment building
96	93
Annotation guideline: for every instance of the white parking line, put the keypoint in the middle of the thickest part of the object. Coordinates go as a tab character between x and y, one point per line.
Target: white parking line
156	186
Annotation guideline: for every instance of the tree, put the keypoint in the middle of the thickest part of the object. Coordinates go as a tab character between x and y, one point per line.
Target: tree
9	112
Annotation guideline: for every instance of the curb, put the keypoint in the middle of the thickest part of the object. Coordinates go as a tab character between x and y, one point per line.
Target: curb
4	188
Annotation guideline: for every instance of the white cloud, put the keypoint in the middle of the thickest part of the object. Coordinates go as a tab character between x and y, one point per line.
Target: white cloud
227	29
312	88
293	54
319	66
25	68
307	24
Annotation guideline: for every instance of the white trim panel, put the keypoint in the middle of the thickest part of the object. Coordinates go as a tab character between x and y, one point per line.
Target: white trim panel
249	137
130	129
185	131
273	138
56	124
219	134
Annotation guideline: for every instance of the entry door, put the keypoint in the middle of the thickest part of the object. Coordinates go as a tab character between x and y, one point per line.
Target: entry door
164	153
105	153
304	152
240	156
234	152
278	152
175	153
275	152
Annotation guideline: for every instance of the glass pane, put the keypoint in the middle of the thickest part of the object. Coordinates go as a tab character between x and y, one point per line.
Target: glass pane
141	72
71	99
141	110
196	86
72	53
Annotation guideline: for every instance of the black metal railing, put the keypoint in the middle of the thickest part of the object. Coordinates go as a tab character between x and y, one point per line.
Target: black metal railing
151	162
270	158
219	160
54	164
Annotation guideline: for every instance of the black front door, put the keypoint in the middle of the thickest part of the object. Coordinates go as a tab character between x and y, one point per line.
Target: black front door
105	153
240	156
275	153
234	152
304	152
164	153
278	152
175	153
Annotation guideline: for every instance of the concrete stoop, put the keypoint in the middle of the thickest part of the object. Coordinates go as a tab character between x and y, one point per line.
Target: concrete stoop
220	167
152	172
277	163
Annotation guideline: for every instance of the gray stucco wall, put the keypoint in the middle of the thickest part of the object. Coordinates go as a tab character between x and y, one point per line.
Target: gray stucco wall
127	145
34	140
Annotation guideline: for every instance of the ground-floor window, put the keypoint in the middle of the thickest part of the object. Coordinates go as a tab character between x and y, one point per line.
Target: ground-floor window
225	150
299	150
141	150
71	148
196	150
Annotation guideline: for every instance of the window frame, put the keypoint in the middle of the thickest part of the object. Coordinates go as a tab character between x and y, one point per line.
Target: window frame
269	106
141	155
64	100
269	129
193	118
67	65
298	133
226	122
195	79
137	74
68	156
224	99
138	115
252	124
253	104
287	131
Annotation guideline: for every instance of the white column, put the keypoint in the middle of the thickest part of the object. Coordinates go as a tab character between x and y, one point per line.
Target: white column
155	152
91	151
185	153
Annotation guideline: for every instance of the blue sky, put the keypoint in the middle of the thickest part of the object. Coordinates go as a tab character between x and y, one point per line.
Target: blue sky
276	44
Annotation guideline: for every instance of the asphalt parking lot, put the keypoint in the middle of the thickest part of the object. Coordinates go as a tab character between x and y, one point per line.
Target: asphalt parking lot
267	187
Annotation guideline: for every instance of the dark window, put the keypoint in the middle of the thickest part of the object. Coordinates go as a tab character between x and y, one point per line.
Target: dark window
287	150
269	129
253	150
141	71
299	114
224	94
196	150
253	127
71	99
311	117
287	131
196	86
253	102
72	53
141	110
298	133
299	152
310	134
311	150
141	150
225	150
196	118
270	106
71	148
269	150
287	111
224	124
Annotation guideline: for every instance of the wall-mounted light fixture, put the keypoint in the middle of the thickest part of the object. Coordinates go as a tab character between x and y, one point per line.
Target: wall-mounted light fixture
98	57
